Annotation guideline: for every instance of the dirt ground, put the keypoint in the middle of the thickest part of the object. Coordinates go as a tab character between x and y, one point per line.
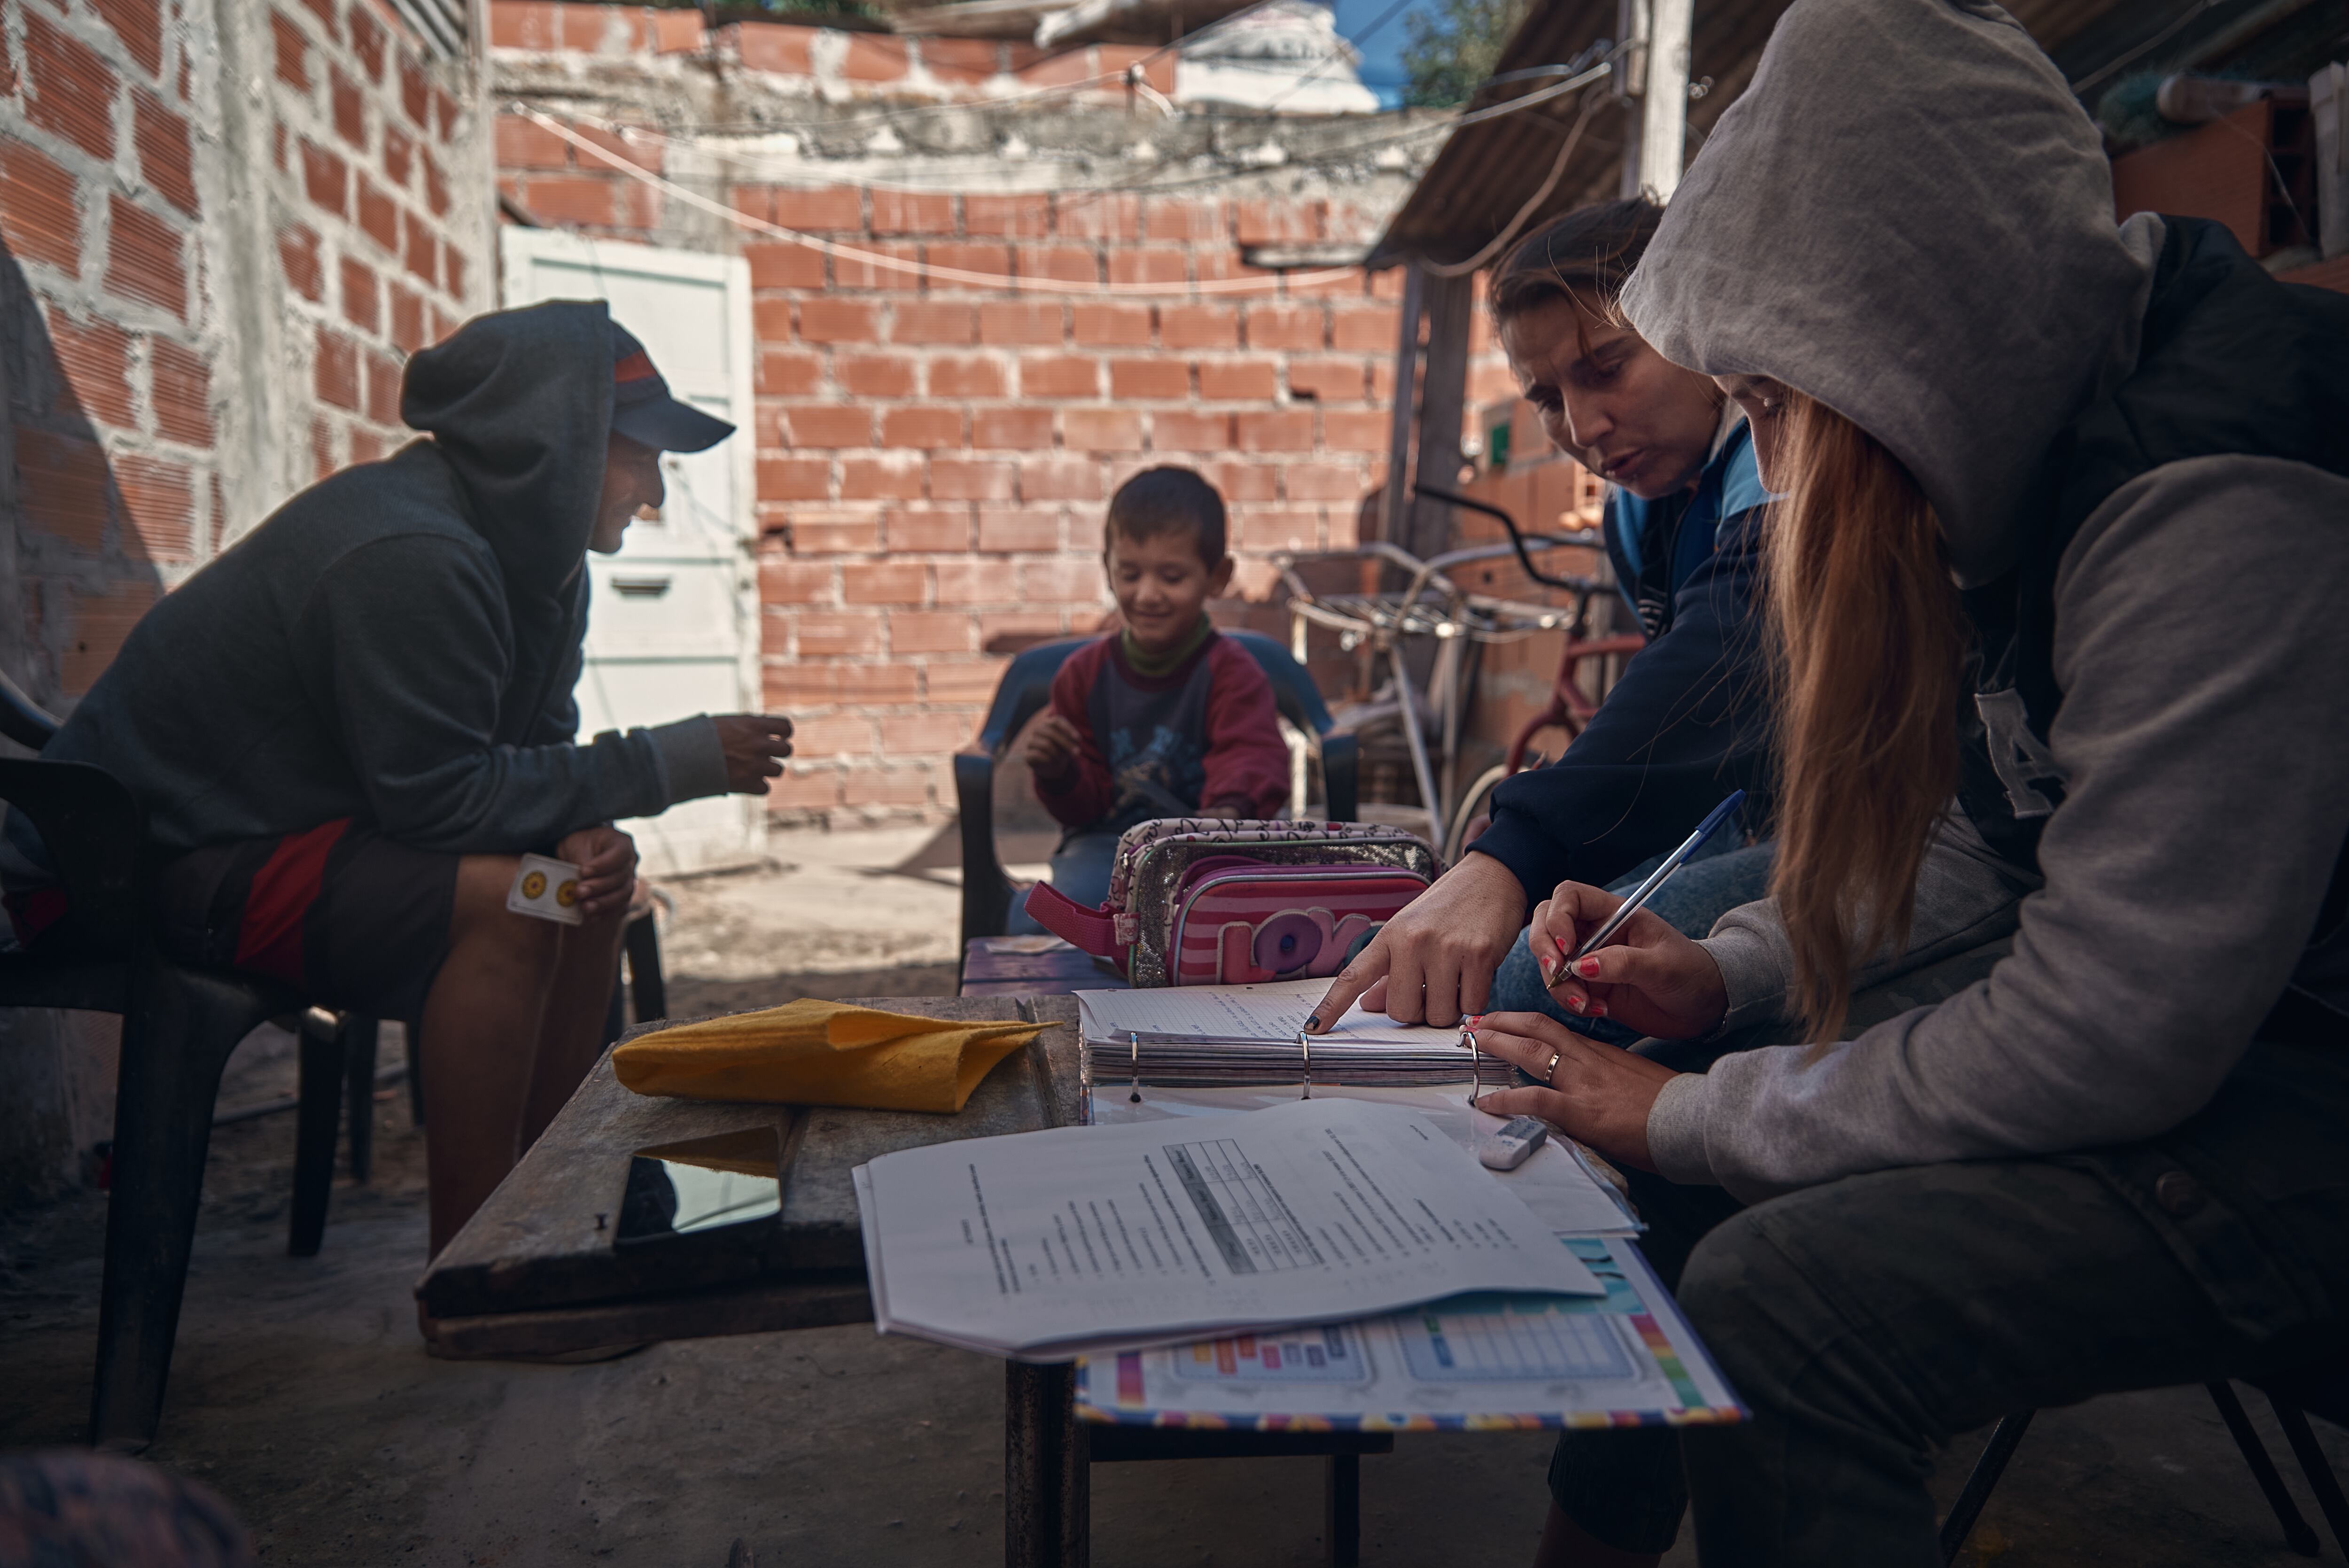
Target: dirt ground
301	1391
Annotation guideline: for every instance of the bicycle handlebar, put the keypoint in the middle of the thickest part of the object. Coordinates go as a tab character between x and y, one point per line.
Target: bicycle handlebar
1517	539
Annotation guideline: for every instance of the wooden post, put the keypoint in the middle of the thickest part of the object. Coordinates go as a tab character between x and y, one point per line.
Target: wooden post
1449	301
1406	375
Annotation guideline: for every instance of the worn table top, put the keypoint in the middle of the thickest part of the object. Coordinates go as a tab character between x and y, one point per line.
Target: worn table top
535	1268
994	966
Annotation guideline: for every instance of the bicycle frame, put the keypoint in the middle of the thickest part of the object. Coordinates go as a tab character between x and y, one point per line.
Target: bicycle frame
1434	605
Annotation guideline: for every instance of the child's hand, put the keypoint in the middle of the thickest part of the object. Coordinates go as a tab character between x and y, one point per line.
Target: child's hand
1053	746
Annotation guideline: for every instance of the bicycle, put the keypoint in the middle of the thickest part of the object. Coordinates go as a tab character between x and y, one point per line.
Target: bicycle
1433	605
1570	707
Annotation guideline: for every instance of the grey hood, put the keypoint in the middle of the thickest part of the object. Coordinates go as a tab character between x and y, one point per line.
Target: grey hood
1910	218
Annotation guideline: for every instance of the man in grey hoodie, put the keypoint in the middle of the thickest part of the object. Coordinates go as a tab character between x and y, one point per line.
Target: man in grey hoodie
2122	1160
345	730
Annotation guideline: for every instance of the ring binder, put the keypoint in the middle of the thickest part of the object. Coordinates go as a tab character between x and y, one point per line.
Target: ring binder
1202	1036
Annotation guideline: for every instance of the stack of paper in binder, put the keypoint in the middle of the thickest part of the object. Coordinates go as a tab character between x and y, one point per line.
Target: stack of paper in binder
1208	1035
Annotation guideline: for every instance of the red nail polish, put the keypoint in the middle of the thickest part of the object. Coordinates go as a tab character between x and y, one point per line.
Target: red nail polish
1589	968
1560	942
1575	1002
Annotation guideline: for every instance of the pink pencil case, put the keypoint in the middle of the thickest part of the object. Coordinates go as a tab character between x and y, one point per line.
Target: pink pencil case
1208	900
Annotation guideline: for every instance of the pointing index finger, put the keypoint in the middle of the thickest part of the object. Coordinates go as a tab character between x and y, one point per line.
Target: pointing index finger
1369	968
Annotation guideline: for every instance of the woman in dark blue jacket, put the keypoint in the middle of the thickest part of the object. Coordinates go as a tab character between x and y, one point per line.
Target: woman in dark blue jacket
1686	723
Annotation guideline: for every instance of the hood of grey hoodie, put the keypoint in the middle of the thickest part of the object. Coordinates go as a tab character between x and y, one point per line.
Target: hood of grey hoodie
519	402
1908	217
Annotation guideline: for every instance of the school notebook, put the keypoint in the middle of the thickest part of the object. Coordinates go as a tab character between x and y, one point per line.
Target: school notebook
1210	1035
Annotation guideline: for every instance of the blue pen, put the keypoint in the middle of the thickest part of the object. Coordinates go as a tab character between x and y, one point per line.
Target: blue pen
1647	890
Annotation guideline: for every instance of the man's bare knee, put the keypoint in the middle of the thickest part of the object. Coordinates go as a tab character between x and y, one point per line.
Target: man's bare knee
482	922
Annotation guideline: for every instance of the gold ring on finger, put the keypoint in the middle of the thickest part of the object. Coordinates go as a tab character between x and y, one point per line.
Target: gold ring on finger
1549	1073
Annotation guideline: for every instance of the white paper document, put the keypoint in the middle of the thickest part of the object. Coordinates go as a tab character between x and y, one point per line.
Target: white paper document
1563	1192
1316	1210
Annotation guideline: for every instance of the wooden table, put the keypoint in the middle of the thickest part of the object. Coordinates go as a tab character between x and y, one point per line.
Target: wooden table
991	966
535	1270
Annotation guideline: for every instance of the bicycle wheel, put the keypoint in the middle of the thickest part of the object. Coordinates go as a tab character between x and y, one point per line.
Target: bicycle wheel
1472	806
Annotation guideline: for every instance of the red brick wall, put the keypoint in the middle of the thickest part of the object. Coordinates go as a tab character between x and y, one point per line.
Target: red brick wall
130	371
109	401
379	215
934	456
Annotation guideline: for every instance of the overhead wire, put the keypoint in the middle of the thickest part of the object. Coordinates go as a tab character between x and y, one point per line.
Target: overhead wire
886	263
1348	150
1533	204
1014	282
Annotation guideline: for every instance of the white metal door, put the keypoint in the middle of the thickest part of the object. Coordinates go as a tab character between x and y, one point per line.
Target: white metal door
673	618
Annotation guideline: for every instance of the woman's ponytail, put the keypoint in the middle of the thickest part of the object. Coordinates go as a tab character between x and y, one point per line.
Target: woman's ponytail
1869	644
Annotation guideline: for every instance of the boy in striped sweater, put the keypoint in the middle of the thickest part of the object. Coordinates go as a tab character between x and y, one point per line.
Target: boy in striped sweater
1162	717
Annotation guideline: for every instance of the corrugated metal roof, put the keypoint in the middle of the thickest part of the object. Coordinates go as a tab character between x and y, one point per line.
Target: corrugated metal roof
1486	172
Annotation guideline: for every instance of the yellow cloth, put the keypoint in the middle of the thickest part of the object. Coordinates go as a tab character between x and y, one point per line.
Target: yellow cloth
811	1052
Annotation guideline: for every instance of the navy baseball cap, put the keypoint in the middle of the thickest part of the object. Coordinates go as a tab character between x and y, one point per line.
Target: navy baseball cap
643	410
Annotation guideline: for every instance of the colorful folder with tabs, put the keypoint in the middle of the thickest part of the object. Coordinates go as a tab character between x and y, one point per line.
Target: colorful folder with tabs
1481	1362
812	1052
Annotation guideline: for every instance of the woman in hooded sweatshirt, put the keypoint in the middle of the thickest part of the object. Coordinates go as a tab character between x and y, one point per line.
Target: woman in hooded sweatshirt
1687	723
2081	486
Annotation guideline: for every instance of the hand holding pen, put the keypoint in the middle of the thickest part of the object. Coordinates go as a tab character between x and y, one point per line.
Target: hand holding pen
1646	971
1649	978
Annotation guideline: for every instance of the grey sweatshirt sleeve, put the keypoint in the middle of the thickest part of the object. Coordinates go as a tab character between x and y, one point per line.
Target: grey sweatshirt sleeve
407	635
1966	896
2199	639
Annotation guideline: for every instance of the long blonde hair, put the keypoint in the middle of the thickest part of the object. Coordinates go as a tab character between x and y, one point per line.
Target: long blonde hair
1870	648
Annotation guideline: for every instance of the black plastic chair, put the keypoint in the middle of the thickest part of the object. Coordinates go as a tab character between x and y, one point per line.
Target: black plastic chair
179	1026
1027	685
2291	1398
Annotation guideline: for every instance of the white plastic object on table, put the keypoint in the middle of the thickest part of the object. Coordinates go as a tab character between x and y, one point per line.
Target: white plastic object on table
1512	1143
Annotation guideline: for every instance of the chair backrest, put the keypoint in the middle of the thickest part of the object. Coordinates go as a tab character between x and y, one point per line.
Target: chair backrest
93	829
1293	691
1027	685
22	719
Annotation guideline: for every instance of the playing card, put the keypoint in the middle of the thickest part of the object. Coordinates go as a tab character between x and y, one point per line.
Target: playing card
546	889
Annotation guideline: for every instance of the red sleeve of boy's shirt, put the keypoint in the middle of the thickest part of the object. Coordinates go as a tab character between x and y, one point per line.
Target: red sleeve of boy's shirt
1246	758
1085	794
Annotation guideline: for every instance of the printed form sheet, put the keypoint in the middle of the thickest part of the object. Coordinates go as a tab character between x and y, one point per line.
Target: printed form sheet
1481	1361
1563	1192
1312	1210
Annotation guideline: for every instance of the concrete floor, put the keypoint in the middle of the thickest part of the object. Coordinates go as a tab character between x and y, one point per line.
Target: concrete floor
302	1393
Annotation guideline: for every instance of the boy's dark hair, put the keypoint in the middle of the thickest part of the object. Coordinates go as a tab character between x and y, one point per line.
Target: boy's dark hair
1585	255
1168	501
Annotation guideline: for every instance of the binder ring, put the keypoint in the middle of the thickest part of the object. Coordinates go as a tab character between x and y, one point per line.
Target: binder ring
1133	1042
1305	1052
